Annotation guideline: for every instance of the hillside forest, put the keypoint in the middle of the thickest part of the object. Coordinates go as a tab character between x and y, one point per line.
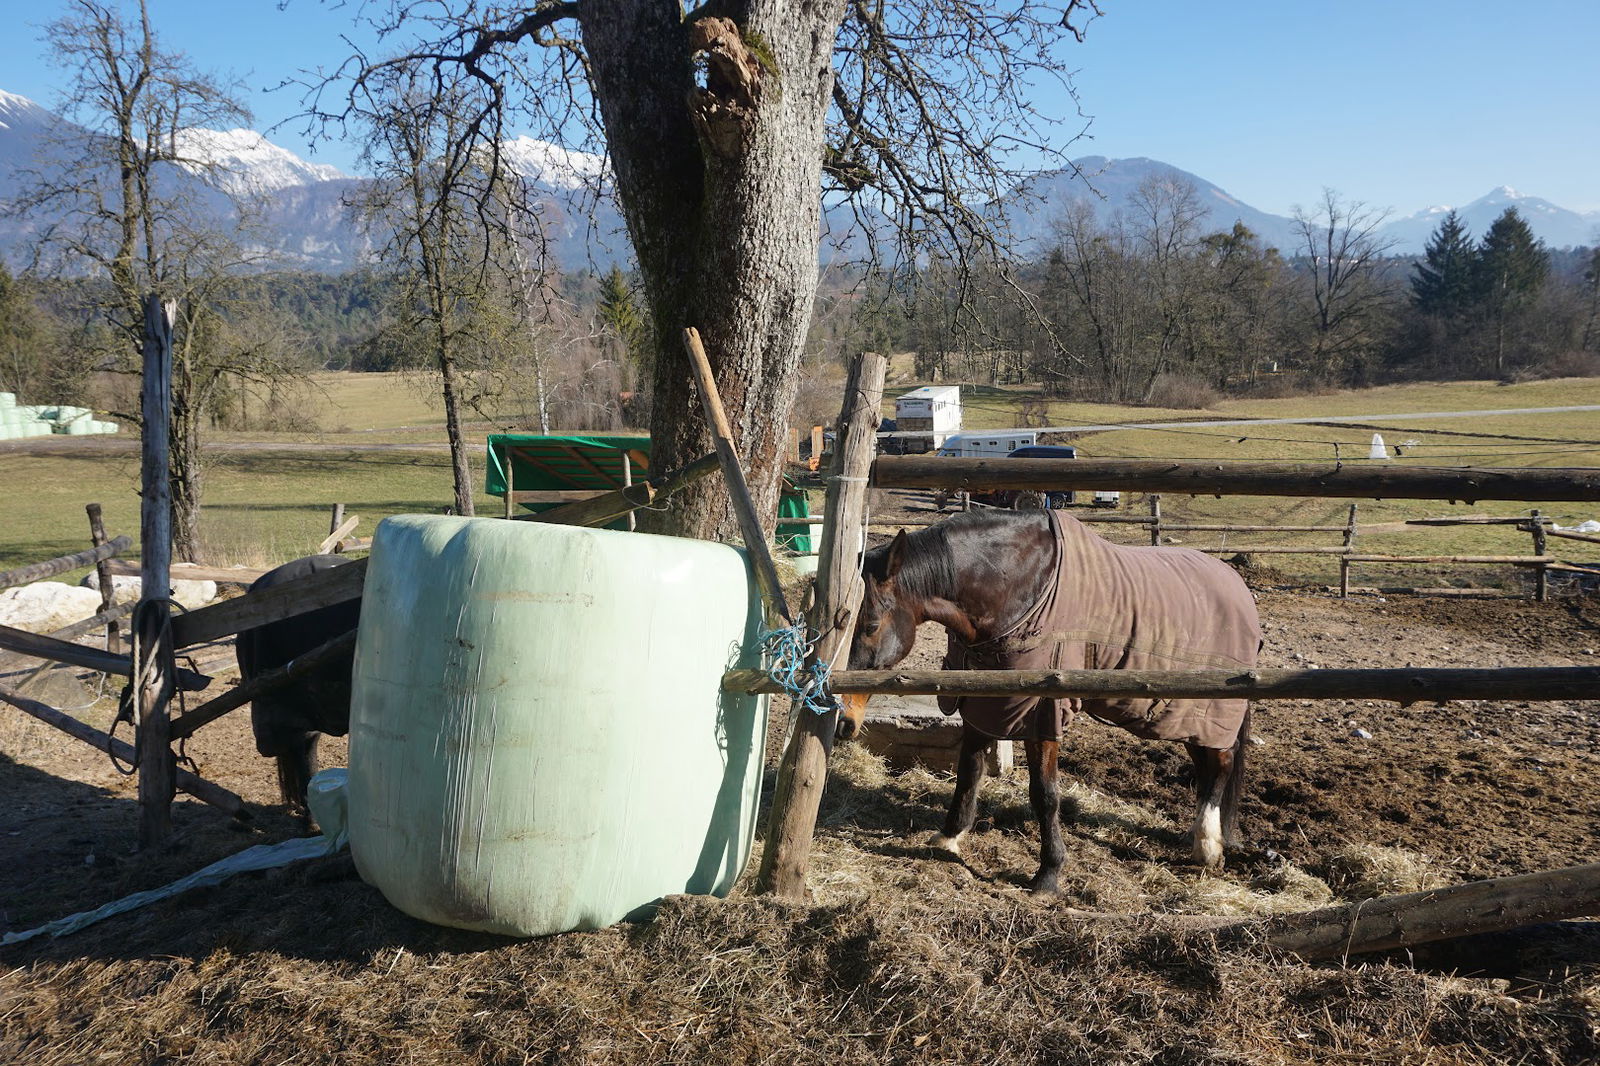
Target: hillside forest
1143	307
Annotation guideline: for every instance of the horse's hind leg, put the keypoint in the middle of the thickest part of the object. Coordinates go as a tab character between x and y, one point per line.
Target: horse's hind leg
1044	790
964	805
296	762
1212	769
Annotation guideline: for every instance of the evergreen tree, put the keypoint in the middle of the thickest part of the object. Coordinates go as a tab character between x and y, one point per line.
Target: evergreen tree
1512	266
1442	284
626	328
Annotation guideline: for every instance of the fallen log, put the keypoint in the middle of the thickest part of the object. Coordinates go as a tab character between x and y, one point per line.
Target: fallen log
198	787
24	575
1439	914
61	651
242	694
1398	686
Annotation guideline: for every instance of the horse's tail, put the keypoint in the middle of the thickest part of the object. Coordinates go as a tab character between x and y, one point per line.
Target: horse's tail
295	762
1234	789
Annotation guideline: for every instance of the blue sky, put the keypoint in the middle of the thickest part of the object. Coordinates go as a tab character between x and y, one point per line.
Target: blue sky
1398	103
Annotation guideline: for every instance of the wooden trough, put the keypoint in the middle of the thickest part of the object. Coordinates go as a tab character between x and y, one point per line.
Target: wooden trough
911	731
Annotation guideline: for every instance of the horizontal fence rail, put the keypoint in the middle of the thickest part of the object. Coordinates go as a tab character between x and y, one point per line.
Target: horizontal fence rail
1367	480
24	575
1396	686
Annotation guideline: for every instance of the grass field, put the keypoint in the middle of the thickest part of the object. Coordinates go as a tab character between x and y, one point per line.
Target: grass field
376	445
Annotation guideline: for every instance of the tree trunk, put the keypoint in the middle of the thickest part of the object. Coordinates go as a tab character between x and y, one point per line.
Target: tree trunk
184	473
720	188
460	467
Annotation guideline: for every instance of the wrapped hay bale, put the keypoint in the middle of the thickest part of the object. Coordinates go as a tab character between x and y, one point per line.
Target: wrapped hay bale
538	737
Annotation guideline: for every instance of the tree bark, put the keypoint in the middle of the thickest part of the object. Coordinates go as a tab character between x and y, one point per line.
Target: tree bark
694	166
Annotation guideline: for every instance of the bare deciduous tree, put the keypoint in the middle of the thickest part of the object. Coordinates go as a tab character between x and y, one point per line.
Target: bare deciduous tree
1341	255
719	122
137	201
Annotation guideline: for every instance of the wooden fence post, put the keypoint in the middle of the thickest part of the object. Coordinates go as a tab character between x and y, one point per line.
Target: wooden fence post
804	770
1155	520
108	593
627	482
511	487
1344	560
154	669
1541	586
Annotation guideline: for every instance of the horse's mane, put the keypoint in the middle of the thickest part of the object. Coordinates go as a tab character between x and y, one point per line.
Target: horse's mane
930	564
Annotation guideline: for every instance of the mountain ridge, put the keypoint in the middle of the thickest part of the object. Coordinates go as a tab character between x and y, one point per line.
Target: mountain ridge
308	225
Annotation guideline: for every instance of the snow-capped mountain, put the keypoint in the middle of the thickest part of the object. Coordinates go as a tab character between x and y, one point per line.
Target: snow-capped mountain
1035	204
551	165
1555	225
307	224
245	162
301	208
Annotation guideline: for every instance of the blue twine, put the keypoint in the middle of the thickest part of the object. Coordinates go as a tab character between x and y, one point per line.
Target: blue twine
787	651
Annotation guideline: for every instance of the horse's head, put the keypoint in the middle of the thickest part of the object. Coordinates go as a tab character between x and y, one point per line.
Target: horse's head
886	625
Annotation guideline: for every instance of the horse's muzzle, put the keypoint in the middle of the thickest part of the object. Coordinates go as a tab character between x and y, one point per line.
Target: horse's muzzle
852	712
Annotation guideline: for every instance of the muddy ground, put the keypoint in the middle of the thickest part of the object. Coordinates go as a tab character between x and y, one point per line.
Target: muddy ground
905	954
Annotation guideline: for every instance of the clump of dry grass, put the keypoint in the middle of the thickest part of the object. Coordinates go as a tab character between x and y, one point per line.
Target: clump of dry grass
1364	871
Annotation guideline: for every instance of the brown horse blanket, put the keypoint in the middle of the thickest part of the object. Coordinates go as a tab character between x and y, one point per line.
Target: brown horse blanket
1114	607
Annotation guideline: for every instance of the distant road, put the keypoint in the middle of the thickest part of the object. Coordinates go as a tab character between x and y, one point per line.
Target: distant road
1415	416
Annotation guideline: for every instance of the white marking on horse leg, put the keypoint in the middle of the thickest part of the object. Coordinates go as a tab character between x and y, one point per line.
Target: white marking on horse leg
950	844
1208	835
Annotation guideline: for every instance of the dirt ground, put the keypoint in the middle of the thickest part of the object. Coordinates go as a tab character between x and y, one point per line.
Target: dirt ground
905	954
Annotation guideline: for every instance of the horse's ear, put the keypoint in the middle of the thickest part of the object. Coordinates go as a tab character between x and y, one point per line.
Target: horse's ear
897	554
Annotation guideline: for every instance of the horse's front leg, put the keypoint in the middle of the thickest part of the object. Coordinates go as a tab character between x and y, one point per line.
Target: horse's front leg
964	805
1212	769
1044	791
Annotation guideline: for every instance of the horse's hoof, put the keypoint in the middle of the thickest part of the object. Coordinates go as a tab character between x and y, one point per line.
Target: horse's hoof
1044	885
944	843
1208	855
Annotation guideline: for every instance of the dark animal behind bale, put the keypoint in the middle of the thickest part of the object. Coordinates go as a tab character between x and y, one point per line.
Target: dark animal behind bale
286	721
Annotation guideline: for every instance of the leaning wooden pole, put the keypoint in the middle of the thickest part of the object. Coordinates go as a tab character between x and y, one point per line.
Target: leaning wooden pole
804	770
198	787
755	538
154	668
108	588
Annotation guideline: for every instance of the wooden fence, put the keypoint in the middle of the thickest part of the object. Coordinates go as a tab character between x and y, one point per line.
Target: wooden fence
152	673
1283	479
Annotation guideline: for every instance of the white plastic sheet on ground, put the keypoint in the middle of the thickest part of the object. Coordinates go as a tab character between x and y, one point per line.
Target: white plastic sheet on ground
327	799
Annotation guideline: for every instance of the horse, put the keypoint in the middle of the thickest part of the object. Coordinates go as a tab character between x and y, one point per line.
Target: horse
287	720
1038	590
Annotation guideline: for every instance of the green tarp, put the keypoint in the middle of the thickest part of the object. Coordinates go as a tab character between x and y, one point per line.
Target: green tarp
539	462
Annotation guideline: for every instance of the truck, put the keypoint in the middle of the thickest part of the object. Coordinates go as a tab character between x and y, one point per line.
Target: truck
987	444
990	444
924	419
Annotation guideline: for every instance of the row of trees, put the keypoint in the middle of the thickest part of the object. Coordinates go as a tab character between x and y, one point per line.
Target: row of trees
137	210
1149	299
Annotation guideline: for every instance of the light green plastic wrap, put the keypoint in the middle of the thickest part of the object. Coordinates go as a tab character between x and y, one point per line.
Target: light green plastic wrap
538	737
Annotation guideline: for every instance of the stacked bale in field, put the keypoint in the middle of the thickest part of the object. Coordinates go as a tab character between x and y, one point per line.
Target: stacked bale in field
538	736
20	421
